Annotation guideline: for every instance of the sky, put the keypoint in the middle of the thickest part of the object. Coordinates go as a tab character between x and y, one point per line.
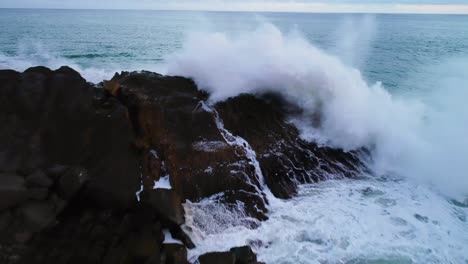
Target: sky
347	6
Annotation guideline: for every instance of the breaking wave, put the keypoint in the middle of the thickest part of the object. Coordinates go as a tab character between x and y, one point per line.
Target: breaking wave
404	132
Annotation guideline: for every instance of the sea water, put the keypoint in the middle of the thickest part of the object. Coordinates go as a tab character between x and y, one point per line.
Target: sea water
394	84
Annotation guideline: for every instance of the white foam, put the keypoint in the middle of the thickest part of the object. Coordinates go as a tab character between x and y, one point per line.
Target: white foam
163	183
168	239
401	131
341	222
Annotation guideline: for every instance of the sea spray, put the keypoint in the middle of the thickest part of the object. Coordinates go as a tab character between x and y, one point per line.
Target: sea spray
353	113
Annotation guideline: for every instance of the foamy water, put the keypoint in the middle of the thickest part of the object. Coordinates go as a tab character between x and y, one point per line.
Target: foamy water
415	123
349	221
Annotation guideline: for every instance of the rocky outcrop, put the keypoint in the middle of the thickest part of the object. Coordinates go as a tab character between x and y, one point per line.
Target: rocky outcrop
94	174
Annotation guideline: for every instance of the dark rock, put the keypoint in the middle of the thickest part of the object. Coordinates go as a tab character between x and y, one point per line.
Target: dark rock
12	190
38	179
23	236
285	159
56	117
71	182
244	255
179	233
142	247
174	254
167	204
5	219
38	215
38	193
56	171
169	116
217	258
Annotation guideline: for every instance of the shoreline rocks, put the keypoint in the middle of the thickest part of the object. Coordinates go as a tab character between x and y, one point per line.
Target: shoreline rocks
74	156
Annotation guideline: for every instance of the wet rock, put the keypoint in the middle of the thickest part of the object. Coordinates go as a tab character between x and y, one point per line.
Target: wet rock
217	258
38	215
142	247
56	171
285	159
71	182
179	233
244	255
167	204
169	116
38	193
174	254
38	179
12	190
5	219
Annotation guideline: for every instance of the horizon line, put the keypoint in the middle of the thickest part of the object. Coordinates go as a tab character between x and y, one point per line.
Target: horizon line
421	12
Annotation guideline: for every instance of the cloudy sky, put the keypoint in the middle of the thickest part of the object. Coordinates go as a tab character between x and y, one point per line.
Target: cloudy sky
367	6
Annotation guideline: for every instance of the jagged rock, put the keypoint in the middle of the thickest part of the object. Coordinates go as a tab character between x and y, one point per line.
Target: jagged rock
38	179
56	171
71	182
174	254
179	233
38	215
38	193
12	190
5	219
56	117
244	255
285	159
167	204
217	258
169	116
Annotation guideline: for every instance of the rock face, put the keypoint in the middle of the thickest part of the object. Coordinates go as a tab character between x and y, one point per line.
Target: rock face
73	156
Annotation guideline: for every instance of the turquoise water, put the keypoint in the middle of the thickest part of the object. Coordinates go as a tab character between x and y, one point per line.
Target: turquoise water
395	84
142	39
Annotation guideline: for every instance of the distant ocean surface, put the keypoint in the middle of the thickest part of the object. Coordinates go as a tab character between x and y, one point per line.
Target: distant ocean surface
396	84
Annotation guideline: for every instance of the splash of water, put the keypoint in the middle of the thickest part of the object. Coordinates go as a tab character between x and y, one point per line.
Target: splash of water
353	113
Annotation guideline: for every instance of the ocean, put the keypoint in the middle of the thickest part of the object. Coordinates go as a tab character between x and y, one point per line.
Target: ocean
394	84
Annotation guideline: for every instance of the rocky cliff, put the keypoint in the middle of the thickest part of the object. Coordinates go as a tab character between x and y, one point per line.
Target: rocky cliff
82	166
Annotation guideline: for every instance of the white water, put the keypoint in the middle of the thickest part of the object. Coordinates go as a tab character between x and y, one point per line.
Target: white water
420	137
348	221
418	140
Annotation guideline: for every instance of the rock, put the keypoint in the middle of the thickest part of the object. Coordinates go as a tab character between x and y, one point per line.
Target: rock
217	258
5	219
179	233
38	179
170	116
285	159
57	119
38	193
12	190
38	215
244	255
174	254
56	171
23	236
71	182
167	204
142	247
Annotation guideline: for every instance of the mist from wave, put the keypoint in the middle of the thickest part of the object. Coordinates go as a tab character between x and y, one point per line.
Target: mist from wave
404	131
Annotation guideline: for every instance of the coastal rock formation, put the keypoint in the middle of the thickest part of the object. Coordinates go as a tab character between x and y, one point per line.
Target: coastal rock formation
98	174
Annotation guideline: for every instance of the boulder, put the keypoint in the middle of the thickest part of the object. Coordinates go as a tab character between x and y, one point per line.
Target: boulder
167	204
174	254
38	215
38	193
244	255
217	258
71	182
179	233
12	190
38	179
